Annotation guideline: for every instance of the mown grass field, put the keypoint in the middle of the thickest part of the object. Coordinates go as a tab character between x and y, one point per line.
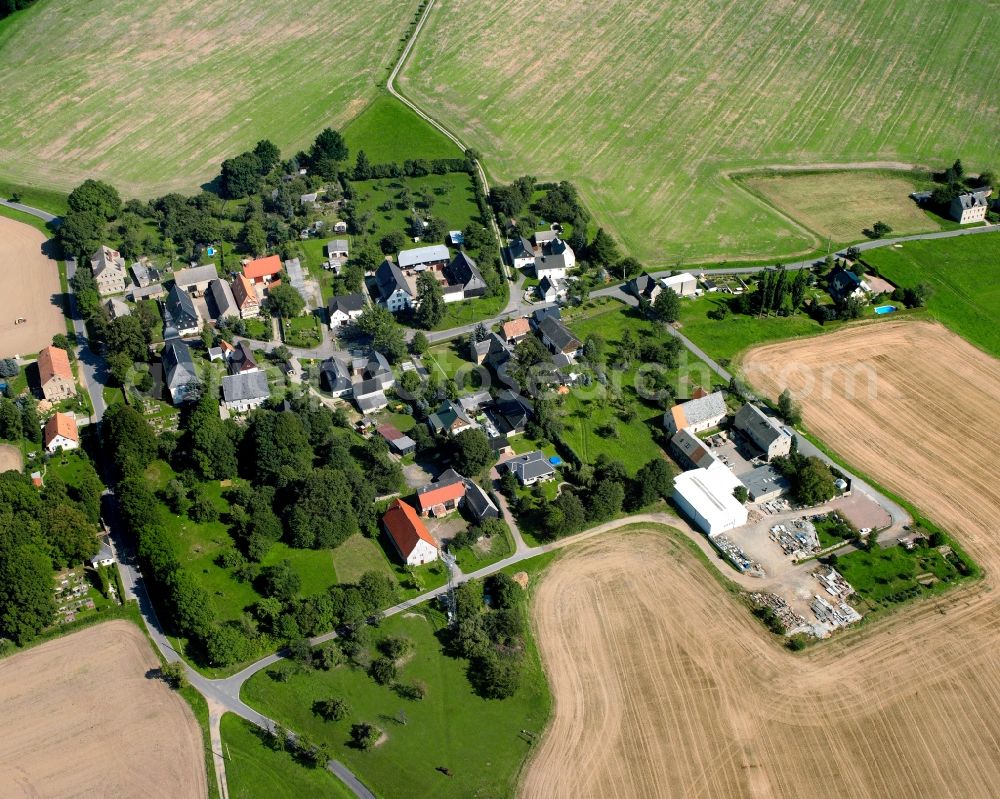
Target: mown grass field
152	97
647	105
964	276
477	739
388	131
840	205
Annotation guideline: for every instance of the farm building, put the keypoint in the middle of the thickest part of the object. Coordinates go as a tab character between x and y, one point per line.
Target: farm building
408	534
970	207
60	433
398	443
222	299
701	413
683	285
245	296
420	258
293	267
558	338
478	503
345	308
767	433
245	391
692	453
394	289
180	316
644	287
706	497
263	270
441	496
178	371
55	374
463	271
108	269
144	275
369	396
196	279
765	483
544	237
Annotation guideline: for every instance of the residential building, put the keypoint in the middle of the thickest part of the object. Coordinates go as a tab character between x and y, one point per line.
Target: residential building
530	468
60	433
245	391
767	433
443	495
551	290
516	330
245	297
241	359
843	285
337	250
105	555
692	453
179	372
701	413
522	253
144	275
117	308
558	247
449	419
644	287
376	367
108	268
55	374
544	237
463	271
223	301
552	267
394	290
180	316
765	483
541	314
494	351
408	534
683	285
369	396
706	497
196	279
472	403
510	413
335	377
263	270
345	308
558	338
970	207
478	503
420	258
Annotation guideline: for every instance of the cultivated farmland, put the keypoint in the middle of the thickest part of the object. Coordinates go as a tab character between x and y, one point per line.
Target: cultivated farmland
152	97
646	105
663	687
81	718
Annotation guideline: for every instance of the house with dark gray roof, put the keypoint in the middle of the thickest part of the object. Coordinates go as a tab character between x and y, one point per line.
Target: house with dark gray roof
369	396
180	316
345	308
766	432
245	391
541	314
971	206
644	287
843	285
223	302
692	453
530	468
394	290
551	266
179	372
522	253
510	413
765	483
195	279
559	338
335	377
463	271
478	503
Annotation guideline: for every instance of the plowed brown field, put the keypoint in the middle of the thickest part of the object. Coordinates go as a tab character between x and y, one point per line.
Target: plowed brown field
663	687
80	718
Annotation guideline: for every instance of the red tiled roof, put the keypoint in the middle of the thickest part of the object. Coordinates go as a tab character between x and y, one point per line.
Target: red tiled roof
438	496
53	361
263	267
61	424
405	527
516	327
389	432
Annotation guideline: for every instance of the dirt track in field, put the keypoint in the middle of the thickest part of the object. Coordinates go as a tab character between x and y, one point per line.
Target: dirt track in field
29	289
81	719
664	687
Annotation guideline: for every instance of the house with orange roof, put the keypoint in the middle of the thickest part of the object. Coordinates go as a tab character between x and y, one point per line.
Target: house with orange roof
245	296
698	414
55	374
443	495
263	270
409	535
60	433
515	330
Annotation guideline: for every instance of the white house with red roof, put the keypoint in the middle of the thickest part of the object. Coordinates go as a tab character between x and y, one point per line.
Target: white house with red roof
60	433
414	543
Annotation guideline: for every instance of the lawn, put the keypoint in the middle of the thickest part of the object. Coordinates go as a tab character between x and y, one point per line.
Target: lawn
654	103
478	556
302	331
888	576
457	314
389	131
258	329
256	771
357	555
185	89
964	277
479	740
840	205
37	197
727	338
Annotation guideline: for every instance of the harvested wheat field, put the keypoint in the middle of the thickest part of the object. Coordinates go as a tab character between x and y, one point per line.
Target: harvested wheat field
29	286
82	719
663	686
11	459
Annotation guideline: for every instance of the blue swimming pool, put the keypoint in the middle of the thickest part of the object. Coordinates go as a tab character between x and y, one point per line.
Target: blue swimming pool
884	309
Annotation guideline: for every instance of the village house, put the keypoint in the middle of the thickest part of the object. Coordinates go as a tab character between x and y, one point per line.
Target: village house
263	271
55	374
516	330
144	275
337	251
375	367
970	207
522	253
683	284
472	403
394	290
240	359
179	372
477	503
345	309
108	269
843	285
244	391
510	413
443	495
408	534
644	287
245	297
335	377
558	338
369	396
551	290
449	419
196	279
692	453
434	256
60	433
297	279
105	555
767	433
530	468
696	415
552	267
463	271
223	303
180	316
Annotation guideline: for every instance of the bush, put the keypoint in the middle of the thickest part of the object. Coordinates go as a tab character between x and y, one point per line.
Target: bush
335	709
413	691
173	674
382	670
396	647
364	735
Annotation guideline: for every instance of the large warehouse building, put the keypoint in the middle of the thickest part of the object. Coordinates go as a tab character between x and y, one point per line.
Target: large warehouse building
706	497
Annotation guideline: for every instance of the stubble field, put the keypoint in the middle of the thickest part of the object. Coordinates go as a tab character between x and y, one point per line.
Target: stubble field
82	719
29	288
153	96
646	105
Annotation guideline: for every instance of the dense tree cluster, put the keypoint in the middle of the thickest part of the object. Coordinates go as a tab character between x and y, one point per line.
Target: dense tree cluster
811	479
